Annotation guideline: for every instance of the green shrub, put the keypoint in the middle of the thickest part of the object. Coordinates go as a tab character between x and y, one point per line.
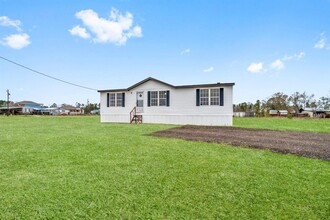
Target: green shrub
289	116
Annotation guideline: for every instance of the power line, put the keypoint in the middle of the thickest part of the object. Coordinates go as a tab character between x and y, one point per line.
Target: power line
43	74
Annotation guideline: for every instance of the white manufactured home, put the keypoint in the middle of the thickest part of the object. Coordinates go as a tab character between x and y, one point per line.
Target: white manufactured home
154	101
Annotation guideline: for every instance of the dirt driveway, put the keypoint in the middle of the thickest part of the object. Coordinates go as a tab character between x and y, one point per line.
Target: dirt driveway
314	145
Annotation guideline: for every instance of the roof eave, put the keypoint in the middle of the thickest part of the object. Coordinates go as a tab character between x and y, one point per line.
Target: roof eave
146	80
113	90
206	85
177	87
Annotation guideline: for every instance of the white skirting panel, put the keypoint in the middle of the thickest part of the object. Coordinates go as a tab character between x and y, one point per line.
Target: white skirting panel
120	118
215	120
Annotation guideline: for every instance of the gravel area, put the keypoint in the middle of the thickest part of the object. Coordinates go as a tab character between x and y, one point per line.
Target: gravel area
307	144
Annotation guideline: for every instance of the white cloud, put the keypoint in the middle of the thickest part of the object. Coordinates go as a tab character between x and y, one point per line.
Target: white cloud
277	64
136	32
17	41
185	51
296	56
80	32
300	55
321	43
5	21
255	67
287	58
117	29
207	70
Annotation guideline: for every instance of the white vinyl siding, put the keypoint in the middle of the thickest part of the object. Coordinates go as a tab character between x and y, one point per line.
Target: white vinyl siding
182	109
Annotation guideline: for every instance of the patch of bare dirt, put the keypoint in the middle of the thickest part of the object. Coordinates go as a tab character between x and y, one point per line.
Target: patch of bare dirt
307	144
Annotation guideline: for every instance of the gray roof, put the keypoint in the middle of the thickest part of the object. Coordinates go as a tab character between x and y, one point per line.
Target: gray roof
176	87
27	102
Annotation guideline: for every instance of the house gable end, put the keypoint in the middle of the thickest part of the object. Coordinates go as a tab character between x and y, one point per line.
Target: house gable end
146	80
137	85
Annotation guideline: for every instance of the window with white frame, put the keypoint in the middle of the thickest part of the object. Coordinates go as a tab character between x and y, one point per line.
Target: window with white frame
204	97
154	98
115	99
162	98
214	96
119	97
159	98
210	96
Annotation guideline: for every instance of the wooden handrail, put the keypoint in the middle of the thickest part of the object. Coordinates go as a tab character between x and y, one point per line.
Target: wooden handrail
132	114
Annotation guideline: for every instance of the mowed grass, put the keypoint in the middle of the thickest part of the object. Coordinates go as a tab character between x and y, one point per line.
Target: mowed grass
78	168
283	123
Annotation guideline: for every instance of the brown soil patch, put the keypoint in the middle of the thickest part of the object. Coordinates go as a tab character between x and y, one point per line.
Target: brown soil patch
314	145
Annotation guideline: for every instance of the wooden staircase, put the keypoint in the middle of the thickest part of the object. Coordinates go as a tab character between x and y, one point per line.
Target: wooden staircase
134	118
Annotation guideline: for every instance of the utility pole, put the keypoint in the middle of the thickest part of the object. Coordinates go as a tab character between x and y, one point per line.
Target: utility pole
8	94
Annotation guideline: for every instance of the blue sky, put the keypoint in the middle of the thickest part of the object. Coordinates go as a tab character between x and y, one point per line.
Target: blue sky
262	46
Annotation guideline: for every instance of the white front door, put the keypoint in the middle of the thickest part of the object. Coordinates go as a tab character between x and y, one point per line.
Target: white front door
139	102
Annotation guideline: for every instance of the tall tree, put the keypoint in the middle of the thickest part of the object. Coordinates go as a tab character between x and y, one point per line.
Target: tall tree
295	101
278	101
90	107
306	100
2	103
257	108
324	101
54	105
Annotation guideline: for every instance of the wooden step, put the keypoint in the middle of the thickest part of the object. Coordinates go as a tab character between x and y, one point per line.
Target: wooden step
137	119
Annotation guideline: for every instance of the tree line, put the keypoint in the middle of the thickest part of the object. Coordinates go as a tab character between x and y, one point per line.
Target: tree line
282	101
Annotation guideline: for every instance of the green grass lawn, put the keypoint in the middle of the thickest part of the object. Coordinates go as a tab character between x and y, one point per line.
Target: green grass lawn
294	124
78	168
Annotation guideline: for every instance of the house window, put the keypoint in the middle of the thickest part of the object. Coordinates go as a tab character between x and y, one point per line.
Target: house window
112	99
158	98
119	99
209	97
214	96
204	97
154	98
162	98
116	99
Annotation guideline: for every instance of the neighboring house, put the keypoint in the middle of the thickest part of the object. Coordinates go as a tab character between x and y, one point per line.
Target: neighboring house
14	110
315	112
29	107
23	107
273	113
154	101
244	114
239	114
71	110
55	111
278	112
283	112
